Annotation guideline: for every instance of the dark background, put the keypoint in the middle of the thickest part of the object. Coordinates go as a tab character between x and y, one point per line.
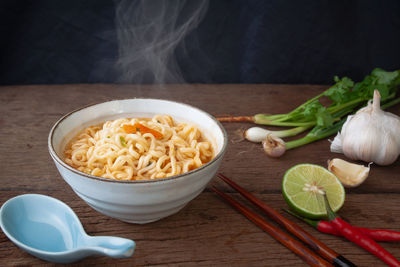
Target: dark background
240	41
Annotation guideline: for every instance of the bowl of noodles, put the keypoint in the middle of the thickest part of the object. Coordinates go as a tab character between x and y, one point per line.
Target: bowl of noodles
137	160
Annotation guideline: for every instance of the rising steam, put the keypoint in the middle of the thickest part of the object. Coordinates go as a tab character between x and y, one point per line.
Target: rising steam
149	32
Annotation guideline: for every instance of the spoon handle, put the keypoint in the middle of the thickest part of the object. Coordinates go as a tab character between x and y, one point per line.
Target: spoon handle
115	247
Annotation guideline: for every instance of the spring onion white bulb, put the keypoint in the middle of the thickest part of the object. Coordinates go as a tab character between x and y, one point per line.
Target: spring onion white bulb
258	134
371	135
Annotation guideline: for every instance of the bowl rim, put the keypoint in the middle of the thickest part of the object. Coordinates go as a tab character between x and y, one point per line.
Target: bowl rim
56	158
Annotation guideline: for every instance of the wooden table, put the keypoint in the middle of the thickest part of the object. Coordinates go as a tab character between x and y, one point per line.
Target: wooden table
207	231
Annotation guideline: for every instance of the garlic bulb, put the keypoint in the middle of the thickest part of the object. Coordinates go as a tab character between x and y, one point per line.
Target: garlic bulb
350	174
371	135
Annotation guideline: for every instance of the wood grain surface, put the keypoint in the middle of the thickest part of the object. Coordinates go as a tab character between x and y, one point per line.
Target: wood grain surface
207	232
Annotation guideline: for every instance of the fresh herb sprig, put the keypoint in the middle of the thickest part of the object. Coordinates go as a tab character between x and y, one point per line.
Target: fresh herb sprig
343	94
345	97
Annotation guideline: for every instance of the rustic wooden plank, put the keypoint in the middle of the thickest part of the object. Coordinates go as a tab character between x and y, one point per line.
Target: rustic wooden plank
207	231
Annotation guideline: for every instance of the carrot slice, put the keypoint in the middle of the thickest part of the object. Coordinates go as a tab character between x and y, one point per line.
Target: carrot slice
128	128
137	127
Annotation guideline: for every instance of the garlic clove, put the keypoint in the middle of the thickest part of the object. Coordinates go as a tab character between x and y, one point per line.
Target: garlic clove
274	146
350	174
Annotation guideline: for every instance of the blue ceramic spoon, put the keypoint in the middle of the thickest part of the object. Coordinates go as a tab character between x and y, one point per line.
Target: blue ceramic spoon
48	229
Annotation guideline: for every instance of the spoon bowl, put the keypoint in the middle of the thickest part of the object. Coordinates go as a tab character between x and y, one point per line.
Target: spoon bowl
49	229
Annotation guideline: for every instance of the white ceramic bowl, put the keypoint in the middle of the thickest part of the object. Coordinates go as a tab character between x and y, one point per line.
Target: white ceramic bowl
136	201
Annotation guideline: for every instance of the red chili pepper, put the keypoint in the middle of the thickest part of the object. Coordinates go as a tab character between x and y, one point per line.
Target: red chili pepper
380	234
327	228
358	238
375	234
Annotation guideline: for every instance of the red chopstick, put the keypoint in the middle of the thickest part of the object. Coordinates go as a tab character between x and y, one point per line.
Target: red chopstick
323	250
298	248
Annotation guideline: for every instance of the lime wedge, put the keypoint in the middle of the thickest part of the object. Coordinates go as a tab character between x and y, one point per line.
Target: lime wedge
303	186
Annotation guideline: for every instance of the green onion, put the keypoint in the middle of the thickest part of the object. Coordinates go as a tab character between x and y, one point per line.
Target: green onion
122	139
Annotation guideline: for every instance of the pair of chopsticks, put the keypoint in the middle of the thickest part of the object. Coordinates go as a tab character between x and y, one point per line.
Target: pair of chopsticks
326	257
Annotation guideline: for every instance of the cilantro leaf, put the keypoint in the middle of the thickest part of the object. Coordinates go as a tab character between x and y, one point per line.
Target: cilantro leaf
316	111
324	118
385	82
384	77
341	91
311	109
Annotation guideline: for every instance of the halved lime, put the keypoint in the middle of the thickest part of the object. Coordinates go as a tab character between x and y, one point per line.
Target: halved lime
303	186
